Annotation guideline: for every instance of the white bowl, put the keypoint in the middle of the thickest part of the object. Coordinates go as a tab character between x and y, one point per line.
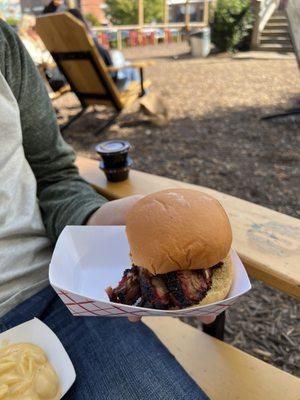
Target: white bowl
36	332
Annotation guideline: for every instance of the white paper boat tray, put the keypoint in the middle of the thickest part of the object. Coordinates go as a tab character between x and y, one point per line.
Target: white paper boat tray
36	332
86	260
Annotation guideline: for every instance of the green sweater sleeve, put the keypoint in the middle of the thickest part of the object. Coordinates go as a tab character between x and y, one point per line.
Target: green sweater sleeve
64	198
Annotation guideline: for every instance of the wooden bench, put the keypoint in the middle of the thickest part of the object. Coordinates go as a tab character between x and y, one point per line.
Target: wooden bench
222	371
267	242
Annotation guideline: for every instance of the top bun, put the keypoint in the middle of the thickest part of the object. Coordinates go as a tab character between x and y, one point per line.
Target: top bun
178	229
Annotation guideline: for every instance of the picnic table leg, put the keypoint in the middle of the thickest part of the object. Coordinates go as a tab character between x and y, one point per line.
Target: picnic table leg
216	329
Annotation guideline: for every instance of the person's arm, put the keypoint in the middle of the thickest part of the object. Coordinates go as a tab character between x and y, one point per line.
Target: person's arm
64	198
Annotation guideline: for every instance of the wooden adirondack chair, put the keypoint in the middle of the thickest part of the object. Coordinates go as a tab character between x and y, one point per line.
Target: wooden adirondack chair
76	55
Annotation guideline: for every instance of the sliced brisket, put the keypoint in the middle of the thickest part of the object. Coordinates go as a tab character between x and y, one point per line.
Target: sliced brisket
153	290
188	287
128	290
173	290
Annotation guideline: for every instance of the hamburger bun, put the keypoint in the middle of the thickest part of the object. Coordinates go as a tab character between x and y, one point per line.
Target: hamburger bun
180	229
221	283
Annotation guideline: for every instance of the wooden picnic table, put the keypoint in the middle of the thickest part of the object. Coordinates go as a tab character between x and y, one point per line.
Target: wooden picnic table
267	241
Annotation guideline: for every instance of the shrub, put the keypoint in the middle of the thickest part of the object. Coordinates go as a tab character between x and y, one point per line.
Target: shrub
92	19
232	23
125	12
12	21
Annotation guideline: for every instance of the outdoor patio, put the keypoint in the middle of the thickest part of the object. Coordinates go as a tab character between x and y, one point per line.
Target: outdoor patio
215	138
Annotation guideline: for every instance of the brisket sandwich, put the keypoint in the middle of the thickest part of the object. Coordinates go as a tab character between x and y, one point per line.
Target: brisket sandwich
179	243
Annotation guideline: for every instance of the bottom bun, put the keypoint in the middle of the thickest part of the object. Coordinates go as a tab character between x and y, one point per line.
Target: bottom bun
221	283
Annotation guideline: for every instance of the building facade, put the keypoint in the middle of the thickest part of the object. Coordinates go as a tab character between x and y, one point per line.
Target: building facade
17	7
33	6
95	7
10	8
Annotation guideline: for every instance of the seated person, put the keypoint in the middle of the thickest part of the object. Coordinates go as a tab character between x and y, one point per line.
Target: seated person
114	58
33	43
125	75
41	192
39	54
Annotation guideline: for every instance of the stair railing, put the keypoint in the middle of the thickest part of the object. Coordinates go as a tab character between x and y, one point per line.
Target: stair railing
263	10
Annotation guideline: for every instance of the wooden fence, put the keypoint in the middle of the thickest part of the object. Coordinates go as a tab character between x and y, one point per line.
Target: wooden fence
144	34
133	35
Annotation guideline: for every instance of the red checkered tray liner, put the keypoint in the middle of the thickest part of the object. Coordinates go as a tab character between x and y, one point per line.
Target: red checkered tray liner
80	306
88	259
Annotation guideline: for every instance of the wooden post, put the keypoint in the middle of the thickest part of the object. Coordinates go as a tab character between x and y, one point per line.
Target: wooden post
255	38
187	15
119	40
206	13
141	20
166	18
140	37
141	12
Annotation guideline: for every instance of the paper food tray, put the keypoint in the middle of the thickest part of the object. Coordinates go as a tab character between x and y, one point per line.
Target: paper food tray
86	260
36	332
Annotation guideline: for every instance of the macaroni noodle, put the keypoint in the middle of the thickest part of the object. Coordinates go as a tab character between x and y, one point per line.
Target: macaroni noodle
26	374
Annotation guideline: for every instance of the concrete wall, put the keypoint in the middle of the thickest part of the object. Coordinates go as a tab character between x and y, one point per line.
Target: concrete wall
293	13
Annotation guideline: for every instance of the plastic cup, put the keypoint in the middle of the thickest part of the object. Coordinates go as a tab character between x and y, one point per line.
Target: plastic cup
115	161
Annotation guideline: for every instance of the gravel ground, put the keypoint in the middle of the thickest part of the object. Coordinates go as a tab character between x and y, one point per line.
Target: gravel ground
215	138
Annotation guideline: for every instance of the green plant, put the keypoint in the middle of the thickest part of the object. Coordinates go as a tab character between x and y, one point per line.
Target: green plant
125	12
12	21
92	19
232	23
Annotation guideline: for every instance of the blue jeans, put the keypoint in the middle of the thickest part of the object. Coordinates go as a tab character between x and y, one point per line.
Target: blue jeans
113	358
126	75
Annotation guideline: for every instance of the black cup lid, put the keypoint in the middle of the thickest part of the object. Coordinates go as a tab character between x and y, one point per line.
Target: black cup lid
113	147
